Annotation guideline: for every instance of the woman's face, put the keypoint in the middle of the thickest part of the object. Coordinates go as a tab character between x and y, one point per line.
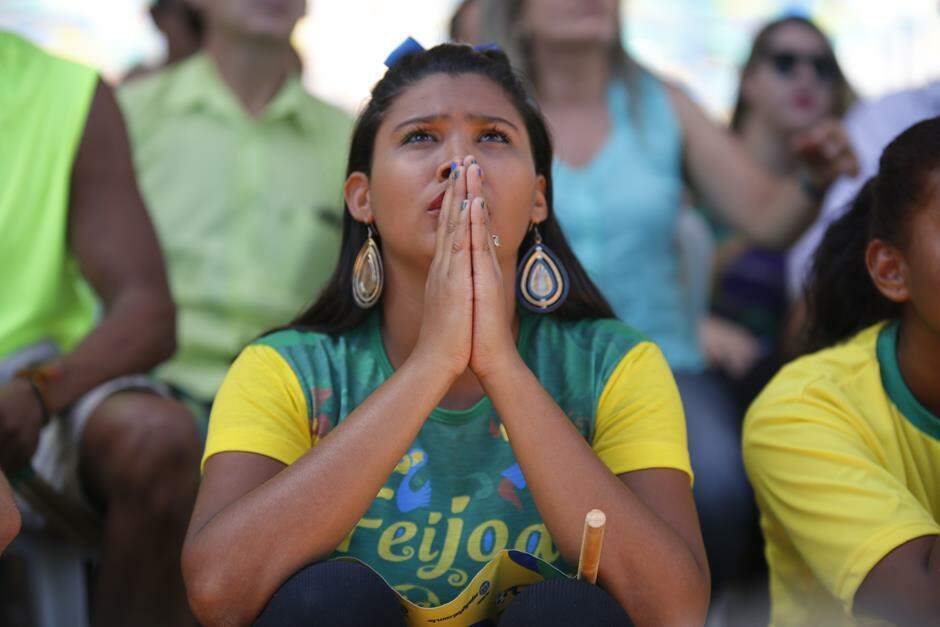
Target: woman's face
436	121
911	273
922	260
570	22
792	85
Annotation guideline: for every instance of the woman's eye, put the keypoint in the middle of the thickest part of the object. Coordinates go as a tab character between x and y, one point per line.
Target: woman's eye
494	135
415	137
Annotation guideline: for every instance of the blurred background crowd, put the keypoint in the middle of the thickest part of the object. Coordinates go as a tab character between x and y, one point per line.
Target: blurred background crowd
715	280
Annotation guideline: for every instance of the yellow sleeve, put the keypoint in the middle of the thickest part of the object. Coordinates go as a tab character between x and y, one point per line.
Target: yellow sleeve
260	408
806	454
640	423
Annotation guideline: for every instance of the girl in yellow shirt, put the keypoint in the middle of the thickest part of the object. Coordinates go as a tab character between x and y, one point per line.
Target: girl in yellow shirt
843	446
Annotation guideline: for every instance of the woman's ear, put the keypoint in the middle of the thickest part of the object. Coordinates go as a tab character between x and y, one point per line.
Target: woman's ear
356	193
888	270
539	202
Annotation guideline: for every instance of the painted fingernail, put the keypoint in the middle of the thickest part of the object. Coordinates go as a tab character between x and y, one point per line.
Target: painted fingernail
453	166
464	204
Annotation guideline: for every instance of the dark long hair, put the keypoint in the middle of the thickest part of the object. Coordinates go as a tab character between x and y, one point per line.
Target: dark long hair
335	311
845	95
841	297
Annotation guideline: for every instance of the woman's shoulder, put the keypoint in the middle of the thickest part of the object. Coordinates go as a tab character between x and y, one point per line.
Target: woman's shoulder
301	347
842	380
839	365
292	337
603	341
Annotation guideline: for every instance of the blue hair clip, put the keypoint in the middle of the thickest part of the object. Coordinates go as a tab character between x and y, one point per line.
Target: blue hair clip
409	46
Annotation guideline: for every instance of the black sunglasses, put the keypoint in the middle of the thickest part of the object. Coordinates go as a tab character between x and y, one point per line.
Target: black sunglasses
785	64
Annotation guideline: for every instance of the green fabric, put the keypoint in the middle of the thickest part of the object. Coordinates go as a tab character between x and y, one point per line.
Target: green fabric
44	103
897	389
248	210
458	497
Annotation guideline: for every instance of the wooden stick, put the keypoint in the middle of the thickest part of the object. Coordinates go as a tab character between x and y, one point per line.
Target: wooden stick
592	541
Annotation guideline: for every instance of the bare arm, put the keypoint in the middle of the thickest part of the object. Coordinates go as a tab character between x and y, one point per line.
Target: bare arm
267	510
244	495
904	587
112	238
769	210
654	560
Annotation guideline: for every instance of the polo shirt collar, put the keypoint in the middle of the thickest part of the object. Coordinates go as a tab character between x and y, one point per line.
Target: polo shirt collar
198	85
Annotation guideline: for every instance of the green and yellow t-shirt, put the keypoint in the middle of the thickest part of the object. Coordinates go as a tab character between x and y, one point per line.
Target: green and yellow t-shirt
845	463
458	496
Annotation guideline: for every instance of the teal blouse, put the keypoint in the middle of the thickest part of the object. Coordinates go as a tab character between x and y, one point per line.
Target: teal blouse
619	212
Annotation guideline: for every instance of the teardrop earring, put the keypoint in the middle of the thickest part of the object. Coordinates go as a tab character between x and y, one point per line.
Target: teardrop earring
368	276
541	279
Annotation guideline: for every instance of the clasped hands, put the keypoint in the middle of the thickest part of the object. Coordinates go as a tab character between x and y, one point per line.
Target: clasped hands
467	318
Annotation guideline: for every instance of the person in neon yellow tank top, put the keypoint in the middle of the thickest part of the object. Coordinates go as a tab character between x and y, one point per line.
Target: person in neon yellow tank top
81	415
843	446
425	423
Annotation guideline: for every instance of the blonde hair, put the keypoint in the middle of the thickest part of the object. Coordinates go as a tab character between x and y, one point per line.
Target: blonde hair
500	25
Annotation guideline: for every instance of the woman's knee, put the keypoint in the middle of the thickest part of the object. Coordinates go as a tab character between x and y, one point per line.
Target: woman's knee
338	592
564	602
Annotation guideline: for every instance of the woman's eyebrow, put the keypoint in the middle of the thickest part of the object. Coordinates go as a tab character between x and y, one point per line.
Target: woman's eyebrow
424	119
490	119
471	117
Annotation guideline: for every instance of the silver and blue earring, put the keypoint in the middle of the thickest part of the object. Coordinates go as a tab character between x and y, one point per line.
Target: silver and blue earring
368	276
541	279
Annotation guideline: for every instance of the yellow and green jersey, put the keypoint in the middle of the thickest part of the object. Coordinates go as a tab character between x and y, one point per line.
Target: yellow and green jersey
44	103
458	496
845	463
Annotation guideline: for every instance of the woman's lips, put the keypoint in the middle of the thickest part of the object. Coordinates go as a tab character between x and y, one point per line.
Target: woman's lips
804	101
436	203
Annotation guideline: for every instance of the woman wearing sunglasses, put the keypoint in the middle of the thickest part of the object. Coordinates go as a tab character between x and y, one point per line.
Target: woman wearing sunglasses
790	83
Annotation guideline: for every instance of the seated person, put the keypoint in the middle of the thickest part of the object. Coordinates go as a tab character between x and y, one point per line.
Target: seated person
73	404
791	83
237	164
433	408
843	446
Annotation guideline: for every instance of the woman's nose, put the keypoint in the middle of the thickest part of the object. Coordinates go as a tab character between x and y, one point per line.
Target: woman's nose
444	170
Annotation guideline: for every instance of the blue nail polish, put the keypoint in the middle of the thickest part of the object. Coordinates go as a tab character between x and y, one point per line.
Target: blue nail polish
453	166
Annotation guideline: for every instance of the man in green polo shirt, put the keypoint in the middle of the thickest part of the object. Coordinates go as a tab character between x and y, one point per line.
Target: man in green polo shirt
84	310
242	171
